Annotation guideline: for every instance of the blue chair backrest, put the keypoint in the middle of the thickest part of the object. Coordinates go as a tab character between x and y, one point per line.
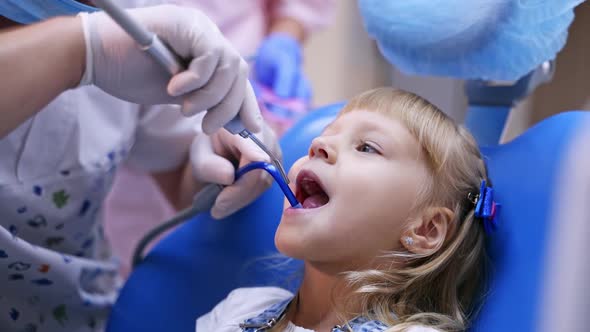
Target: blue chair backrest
524	174
197	265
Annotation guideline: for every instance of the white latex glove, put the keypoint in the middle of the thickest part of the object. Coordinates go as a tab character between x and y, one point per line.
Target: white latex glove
213	159
216	78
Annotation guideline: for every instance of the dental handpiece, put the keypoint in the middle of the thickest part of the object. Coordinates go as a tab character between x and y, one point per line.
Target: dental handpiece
150	43
204	201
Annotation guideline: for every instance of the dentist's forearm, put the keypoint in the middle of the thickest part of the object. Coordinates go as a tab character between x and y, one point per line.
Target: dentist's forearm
37	63
179	186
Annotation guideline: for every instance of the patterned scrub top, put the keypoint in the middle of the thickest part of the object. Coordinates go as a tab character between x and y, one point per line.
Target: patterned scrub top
56	271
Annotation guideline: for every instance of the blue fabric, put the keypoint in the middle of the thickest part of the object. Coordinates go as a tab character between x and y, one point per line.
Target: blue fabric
274	312
486	123
279	67
476	39
196	266
31	11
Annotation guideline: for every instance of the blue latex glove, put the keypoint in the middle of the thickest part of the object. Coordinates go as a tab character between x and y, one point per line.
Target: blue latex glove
279	66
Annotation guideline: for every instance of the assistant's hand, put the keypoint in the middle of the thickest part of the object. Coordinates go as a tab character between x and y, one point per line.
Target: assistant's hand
279	66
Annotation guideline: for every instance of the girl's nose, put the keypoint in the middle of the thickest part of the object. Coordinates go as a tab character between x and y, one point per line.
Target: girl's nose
320	148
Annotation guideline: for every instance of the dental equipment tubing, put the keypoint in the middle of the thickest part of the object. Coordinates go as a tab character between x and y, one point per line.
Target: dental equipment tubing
204	200
150	43
272	170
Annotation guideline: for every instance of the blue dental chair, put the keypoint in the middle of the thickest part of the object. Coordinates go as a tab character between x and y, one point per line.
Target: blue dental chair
197	265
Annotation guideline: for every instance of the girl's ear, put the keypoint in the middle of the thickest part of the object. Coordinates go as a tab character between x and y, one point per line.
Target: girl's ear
427	233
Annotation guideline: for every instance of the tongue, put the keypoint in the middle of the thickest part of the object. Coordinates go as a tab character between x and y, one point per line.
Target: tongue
315	200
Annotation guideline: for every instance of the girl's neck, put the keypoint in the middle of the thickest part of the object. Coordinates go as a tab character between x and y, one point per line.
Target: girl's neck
313	307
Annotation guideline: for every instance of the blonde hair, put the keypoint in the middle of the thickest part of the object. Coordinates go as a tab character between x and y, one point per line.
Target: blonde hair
438	290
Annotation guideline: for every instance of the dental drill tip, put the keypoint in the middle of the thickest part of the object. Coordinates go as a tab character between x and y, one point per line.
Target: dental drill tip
279	166
273	158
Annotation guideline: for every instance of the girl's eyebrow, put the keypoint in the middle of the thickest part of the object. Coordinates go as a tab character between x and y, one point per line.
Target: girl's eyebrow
368	125
329	127
391	140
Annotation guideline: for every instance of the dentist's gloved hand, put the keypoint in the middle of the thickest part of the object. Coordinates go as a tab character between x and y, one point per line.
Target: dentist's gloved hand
213	159
216	75
279	66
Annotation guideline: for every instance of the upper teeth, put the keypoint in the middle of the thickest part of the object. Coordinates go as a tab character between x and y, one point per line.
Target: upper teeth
309	186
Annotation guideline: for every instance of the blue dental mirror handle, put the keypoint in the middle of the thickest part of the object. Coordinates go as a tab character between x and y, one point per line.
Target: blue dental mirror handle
276	174
203	202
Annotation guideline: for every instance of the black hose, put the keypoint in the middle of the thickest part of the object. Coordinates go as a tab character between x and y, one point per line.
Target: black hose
202	202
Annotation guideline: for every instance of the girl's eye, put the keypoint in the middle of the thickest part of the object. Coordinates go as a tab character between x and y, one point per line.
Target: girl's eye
367	148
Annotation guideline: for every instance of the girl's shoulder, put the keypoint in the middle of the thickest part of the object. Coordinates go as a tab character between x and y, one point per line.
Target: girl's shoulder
239	305
263	294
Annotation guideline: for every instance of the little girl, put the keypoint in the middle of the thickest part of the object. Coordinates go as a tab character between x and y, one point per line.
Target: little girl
388	230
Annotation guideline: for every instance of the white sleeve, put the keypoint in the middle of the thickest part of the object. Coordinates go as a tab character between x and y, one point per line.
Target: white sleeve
163	138
239	305
210	320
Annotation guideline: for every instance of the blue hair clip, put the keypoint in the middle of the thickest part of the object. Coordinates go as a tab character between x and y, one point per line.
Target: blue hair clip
486	208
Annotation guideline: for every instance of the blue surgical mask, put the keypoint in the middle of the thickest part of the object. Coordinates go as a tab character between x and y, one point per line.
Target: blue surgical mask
31	11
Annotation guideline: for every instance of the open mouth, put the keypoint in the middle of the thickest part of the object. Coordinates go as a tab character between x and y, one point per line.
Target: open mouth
310	192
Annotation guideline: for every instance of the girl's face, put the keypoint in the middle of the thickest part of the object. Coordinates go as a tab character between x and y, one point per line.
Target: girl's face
357	186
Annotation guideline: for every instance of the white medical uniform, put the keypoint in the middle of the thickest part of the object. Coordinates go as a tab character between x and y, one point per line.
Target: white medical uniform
56	272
